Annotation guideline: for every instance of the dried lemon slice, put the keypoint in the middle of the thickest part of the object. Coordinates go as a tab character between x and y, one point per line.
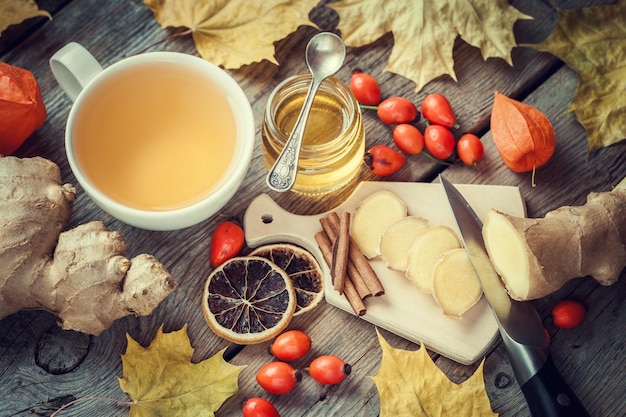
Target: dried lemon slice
248	300
303	270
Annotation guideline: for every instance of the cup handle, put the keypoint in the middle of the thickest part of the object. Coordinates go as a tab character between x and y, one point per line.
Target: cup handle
73	67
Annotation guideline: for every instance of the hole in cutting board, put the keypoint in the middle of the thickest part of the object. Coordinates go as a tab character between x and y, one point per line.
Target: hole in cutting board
267	218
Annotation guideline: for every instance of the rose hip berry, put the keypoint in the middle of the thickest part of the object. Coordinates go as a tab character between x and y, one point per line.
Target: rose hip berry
384	161
329	369
408	138
470	149
278	377
365	88
568	314
438	111
226	242
290	345
439	141
259	407
397	110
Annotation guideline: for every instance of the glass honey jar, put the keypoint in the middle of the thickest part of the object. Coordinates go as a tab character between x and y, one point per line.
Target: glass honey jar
333	142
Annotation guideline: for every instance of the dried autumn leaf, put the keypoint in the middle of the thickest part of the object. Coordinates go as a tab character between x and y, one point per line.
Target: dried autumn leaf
592	42
424	31
13	12
232	33
162	381
410	384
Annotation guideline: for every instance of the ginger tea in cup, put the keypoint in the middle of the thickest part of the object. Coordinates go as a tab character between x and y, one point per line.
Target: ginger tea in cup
155	136
160	140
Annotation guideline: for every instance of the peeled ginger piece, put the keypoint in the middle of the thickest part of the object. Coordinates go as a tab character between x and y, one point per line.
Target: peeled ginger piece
373	217
455	285
425	252
397	240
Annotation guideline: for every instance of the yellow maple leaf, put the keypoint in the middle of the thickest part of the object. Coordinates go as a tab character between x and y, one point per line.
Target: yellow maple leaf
424	31
232	33
410	384
13	12
592	42
162	381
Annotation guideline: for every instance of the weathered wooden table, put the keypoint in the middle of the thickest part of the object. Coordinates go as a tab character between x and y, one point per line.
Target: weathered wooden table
42	367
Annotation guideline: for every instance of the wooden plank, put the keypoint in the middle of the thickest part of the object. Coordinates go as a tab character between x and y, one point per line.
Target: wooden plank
114	29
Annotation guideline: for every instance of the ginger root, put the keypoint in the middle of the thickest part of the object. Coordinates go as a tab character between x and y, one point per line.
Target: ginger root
535	257
80	275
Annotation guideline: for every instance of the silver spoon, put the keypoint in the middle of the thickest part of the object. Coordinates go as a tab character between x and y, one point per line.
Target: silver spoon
325	53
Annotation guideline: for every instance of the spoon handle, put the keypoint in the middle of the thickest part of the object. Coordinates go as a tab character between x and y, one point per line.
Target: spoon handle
282	176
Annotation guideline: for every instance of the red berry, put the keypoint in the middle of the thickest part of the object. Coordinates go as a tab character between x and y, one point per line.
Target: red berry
278	377
258	407
439	141
291	345
365	88
437	110
408	138
384	161
397	110
226	242
329	369
470	149
568	314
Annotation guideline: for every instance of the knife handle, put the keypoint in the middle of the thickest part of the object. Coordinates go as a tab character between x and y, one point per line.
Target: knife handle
548	395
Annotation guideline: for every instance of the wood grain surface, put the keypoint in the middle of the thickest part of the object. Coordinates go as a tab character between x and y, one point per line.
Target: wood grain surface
42	368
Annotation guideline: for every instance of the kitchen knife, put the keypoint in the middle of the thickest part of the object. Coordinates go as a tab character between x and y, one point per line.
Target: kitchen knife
526	340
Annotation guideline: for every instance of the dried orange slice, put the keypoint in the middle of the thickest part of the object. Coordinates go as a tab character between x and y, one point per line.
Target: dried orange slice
248	300
303	270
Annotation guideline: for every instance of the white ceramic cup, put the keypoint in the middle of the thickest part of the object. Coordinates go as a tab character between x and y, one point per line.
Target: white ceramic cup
78	73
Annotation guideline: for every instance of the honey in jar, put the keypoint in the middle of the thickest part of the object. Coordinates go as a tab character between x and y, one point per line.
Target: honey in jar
333	142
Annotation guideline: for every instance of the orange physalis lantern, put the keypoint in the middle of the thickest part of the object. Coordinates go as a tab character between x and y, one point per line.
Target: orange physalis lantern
523	135
21	107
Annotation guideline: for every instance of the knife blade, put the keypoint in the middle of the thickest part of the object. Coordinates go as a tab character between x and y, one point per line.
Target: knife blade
526	340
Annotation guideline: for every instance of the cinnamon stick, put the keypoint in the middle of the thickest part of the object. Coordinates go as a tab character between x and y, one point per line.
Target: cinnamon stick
360	261
352	272
340	252
354	299
350	292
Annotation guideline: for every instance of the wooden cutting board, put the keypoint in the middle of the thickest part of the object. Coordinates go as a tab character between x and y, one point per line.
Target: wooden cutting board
403	309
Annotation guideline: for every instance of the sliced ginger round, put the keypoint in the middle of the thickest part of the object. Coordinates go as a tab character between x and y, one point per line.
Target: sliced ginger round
455	285
373	217
397	240
425	252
